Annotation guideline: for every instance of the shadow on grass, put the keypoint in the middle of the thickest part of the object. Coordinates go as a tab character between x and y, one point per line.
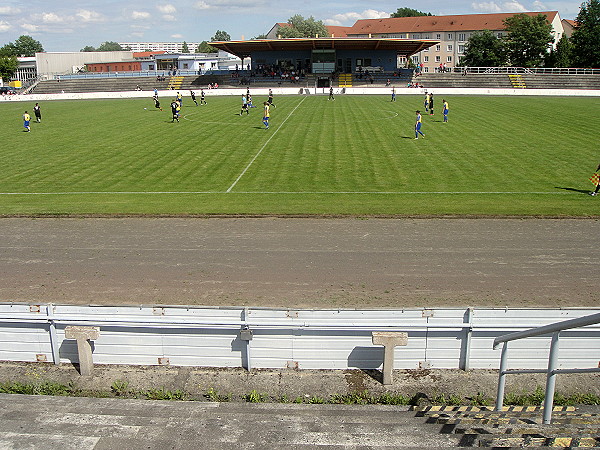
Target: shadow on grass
581	191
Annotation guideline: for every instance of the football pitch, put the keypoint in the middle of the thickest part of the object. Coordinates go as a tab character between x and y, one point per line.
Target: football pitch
497	156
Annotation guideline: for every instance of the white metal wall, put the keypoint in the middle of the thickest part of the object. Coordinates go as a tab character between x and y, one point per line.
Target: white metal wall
304	339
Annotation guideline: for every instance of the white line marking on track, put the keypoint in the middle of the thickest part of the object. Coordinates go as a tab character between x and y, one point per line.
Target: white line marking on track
263	147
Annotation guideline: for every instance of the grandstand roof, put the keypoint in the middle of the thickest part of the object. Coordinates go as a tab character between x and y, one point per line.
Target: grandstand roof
243	49
466	22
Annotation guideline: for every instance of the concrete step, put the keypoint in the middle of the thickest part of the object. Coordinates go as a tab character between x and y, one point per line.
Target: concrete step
90	423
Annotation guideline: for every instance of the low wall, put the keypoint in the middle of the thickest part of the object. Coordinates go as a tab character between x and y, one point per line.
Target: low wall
303	339
306	91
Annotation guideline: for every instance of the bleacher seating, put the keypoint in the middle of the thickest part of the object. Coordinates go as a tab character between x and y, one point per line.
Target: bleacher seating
561	81
457	80
428	80
99	85
506	81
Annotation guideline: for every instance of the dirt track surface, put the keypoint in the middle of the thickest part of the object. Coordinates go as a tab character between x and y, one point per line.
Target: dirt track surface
302	263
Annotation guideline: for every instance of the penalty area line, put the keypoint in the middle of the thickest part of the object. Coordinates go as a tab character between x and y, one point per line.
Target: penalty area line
263	147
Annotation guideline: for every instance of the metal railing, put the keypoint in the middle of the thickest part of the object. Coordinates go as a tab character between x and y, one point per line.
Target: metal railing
552	369
524	70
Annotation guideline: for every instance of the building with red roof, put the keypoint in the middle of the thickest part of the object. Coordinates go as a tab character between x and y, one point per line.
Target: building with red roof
452	32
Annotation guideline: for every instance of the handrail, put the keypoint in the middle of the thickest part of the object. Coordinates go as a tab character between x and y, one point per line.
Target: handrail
552	370
551	328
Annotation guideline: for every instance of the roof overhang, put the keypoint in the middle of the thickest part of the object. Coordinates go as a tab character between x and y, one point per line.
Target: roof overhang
403	47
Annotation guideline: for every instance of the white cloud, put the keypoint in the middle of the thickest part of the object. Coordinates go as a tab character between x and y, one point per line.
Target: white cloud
514	6
169	18
350	17
177	36
539	6
486	7
140	15
9	11
493	7
4	26
229	4
85	15
166	9
51	18
30	27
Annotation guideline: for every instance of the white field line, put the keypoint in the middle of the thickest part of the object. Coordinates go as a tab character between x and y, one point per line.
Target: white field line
263	147
288	193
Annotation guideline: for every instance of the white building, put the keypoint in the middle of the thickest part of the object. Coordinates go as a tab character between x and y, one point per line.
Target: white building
171	47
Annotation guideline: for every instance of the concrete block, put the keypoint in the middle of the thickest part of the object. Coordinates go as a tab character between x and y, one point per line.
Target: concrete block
83	336
389	340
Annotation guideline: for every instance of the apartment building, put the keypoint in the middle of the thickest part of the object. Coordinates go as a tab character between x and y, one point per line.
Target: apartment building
452	32
169	47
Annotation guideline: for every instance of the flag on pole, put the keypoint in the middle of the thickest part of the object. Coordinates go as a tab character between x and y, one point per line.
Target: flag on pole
595	179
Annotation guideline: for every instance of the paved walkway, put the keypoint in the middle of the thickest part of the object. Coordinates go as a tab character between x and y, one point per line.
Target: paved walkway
44	422
323	263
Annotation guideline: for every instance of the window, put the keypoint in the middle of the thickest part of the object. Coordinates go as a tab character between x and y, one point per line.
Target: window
427	37
438	36
415	59
462	37
185	66
461	48
425	69
449	47
426	59
449	36
499	35
449	59
438	59
416	36
438	48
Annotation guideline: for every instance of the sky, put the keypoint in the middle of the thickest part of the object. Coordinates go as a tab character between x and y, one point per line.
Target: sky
66	25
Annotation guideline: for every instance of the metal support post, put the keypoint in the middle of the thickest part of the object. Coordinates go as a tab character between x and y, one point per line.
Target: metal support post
551	379
465	363
501	378
53	336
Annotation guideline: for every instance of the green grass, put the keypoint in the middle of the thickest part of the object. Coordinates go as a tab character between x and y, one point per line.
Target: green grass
357	155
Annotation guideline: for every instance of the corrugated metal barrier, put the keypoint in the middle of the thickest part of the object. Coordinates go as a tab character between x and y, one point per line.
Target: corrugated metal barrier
278	338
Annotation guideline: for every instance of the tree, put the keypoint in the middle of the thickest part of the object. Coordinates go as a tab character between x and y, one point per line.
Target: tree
301	27
221	36
88	48
8	64
109	46
562	56
260	36
483	49
205	47
586	38
528	39
184	48
408	12
23	46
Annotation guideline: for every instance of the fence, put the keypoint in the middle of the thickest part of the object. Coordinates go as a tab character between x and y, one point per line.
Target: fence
303	339
552	369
